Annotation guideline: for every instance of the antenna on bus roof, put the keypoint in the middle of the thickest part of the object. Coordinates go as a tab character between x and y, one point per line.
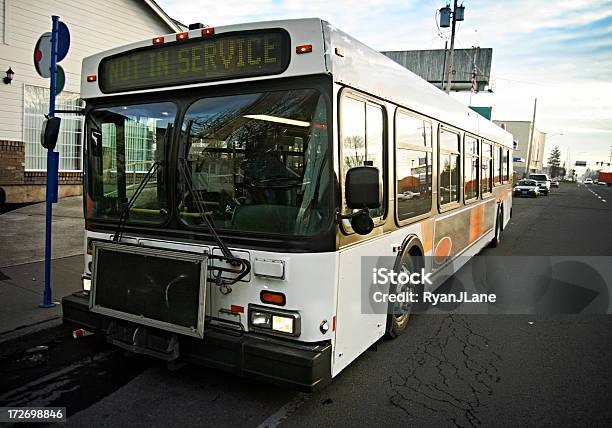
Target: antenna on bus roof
196	26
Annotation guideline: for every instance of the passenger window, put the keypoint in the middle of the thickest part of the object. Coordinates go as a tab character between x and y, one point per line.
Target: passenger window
470	168
362	141
497	163
413	165
505	160
449	167
486	182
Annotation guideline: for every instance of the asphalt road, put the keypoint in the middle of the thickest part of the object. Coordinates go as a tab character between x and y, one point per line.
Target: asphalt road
446	370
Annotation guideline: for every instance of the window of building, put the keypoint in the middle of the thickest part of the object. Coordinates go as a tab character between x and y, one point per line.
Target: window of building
449	167
36	105
413	165
470	168
486	180
362	131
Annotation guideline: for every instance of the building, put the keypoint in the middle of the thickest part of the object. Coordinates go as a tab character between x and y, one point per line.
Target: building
521	130
94	26
430	65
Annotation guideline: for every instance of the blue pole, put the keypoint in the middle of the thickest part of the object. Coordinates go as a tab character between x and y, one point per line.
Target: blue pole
52	169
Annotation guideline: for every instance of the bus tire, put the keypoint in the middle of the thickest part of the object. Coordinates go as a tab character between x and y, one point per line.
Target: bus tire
496	242
397	320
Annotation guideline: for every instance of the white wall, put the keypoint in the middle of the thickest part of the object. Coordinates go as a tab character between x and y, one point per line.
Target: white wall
94	26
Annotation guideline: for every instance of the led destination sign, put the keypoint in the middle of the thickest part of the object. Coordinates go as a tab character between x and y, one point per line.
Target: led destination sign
196	60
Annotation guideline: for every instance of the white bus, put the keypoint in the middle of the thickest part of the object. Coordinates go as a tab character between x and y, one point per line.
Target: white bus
235	177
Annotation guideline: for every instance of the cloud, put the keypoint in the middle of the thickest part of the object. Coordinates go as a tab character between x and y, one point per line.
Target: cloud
559	52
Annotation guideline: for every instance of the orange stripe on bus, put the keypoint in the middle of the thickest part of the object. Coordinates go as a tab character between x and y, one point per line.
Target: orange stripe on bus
476	223
427	233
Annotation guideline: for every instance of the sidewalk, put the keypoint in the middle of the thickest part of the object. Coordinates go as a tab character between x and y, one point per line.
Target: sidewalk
22	253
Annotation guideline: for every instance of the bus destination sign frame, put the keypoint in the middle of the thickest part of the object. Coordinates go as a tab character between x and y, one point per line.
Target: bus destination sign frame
224	56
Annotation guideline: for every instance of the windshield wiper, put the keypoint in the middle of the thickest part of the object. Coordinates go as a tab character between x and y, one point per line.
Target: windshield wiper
126	209
245	265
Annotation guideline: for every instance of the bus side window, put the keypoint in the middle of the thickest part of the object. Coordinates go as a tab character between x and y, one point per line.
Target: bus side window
486	179
413	154
362	141
498	167
449	167
505	162
470	168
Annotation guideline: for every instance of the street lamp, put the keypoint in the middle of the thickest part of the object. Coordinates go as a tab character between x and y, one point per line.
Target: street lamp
448	18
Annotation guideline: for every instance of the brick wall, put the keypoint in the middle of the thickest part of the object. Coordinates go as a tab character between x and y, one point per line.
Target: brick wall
40	177
12	168
12	162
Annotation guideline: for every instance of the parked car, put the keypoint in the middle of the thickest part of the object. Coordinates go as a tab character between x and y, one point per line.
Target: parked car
527	187
554	182
588	181
407	195
543	182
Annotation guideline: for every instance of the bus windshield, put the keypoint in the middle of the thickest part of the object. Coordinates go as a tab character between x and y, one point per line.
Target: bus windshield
257	163
124	144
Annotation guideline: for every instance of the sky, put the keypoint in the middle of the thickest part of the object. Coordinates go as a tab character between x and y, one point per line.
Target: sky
559	52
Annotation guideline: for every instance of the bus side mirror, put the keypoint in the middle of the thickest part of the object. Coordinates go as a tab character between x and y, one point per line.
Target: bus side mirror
362	187
362	193
50	132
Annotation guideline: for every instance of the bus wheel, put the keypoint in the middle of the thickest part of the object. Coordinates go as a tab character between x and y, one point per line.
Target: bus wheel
496	242
399	313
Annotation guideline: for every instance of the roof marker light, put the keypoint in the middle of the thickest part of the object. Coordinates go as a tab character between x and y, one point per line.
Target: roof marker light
92	78
208	31
182	36
301	49
339	52
158	40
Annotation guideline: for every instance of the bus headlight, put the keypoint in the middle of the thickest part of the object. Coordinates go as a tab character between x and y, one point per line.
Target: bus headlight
283	324
261	319
272	321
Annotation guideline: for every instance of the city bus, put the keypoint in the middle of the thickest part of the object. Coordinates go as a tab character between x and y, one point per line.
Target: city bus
235	177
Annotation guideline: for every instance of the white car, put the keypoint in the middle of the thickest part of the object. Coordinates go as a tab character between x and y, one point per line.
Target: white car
527	187
588	181
407	195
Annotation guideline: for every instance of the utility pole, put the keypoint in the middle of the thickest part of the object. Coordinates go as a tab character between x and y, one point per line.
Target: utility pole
449	72
444	65
527	169
457	14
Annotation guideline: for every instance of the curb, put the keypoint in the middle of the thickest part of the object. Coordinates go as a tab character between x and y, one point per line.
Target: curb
26	337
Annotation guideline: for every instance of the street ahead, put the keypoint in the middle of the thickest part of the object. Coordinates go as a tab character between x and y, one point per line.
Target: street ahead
445	370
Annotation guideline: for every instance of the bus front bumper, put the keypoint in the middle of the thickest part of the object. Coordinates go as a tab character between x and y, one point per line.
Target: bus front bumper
302	366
